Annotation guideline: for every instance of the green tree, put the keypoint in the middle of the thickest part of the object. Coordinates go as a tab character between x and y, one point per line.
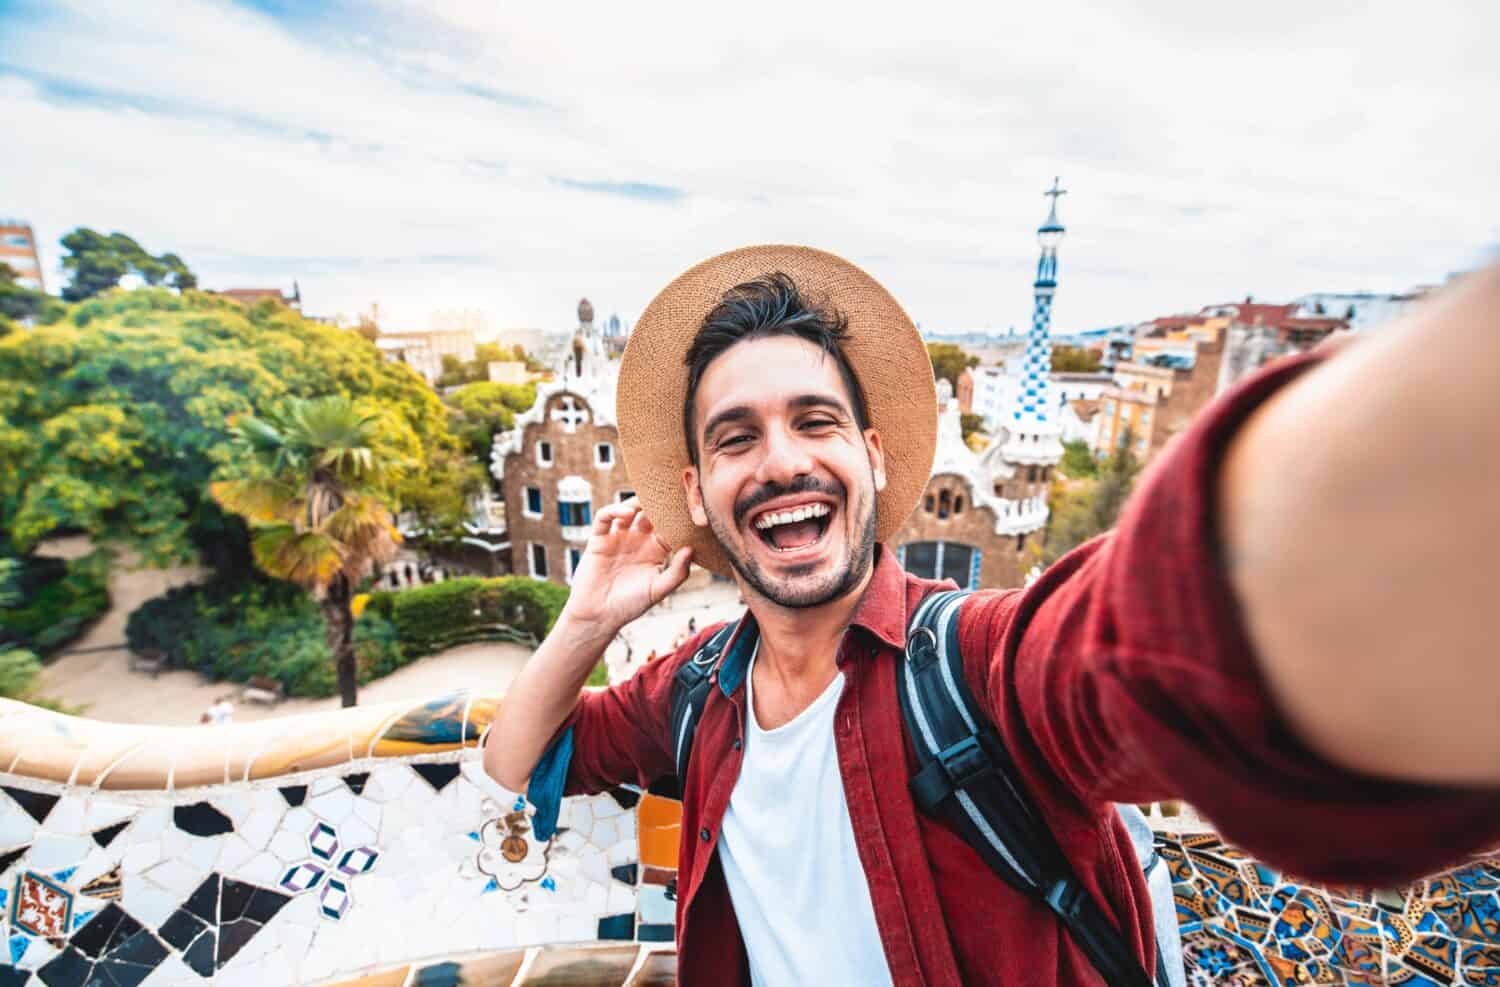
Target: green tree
17	302
314	509
95	263
437	500
483	408
1081	510
949	361
1078	460
114	419
1074	359
19	668
970	424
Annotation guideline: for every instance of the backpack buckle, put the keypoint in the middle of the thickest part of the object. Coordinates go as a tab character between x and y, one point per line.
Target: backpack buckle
965	762
921	647
1064	896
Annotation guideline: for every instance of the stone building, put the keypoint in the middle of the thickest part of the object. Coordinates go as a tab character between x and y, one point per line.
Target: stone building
980	514
560	462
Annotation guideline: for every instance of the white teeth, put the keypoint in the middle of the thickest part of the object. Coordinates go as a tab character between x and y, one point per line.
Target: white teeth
792	516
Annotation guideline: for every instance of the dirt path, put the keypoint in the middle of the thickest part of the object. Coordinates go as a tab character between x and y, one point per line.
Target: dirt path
102	683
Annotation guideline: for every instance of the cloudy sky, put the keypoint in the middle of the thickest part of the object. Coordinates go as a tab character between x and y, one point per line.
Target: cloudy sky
451	154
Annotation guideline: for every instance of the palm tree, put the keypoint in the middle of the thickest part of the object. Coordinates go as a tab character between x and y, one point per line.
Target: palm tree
316	519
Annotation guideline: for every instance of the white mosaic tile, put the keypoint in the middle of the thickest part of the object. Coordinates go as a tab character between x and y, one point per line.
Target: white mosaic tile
150	823
67	816
104	812
16	828
38	952
50	852
389	781
148	903
262	869
176	874
233	853
141	856
333	805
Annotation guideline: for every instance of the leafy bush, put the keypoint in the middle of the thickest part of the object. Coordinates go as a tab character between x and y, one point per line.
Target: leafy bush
56	601
236	630
430	618
18	671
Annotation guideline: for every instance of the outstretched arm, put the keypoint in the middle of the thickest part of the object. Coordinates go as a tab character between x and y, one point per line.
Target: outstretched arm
1359	517
624	572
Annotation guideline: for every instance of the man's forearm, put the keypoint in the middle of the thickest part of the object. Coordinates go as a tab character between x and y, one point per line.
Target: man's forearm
540	699
1359	517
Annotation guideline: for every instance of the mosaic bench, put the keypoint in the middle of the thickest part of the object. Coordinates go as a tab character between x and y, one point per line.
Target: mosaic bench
355	848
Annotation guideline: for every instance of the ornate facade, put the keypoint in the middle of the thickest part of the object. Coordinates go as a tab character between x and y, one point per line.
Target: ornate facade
561	461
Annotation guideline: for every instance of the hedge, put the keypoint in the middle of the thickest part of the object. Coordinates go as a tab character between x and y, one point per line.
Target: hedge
57	601
240	629
433	617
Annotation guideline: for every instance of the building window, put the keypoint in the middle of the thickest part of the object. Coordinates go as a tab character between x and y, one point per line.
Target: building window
573	513
1020	542
945	505
624	495
942	560
927	504
575	556
538	560
533	502
17	240
604	455
544	453
958	504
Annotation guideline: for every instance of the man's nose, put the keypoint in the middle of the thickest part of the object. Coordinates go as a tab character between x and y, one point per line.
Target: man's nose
785	458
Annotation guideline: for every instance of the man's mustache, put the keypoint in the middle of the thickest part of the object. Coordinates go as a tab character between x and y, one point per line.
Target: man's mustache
801	485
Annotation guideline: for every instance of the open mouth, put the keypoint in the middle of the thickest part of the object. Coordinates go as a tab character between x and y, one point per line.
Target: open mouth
794	528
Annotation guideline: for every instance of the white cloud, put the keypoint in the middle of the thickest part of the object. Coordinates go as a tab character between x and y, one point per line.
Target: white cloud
440	155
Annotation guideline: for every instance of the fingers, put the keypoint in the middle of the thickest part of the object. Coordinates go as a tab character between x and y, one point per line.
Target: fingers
622	512
672	575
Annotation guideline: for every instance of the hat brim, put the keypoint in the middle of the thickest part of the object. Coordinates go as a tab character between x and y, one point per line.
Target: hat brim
883	346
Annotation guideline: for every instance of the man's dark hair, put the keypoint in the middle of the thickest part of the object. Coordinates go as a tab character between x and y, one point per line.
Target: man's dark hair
771	305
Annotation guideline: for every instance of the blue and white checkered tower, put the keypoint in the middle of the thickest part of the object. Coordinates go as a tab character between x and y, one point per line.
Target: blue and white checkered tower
1034	431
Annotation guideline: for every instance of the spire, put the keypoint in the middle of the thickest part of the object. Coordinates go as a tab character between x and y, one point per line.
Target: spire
1032	423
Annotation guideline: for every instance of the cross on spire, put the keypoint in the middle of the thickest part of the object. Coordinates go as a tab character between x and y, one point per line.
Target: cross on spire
1055	190
570	414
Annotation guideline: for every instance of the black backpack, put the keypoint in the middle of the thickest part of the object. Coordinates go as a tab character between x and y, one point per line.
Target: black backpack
966	778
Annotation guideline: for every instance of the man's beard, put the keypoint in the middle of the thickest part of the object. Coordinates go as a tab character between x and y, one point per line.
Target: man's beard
835	584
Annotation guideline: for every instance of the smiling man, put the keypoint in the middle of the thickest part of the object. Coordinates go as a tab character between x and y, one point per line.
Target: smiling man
777	415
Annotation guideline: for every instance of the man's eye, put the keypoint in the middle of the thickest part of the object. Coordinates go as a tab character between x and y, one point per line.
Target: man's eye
733	440
819	423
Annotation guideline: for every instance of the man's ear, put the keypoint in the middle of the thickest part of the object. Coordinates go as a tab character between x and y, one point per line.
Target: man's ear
694	496
877	457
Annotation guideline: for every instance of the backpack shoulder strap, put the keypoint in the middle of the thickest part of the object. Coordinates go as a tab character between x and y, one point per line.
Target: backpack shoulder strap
966	777
690	691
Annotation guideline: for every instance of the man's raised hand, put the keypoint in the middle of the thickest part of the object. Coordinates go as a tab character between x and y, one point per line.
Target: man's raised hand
625	570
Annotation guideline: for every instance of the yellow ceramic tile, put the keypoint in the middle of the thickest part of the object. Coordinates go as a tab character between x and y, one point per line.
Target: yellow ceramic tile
659	970
582	966
305	742
388	978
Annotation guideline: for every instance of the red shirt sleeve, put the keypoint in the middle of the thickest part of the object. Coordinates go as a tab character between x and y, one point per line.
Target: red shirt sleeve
1125	674
620	733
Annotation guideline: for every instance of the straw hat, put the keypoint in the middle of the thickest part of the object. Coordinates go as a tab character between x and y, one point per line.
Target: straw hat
883	346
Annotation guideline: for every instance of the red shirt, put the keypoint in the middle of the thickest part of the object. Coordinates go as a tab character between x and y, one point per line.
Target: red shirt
1123	675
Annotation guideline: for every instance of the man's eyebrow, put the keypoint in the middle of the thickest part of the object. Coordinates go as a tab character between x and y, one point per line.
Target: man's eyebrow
803	401
728	416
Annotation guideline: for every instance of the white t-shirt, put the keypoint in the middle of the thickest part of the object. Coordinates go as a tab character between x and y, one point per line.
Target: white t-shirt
787	848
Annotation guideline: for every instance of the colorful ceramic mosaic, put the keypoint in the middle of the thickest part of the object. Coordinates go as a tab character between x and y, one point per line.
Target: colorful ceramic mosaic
366	848
1246	925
